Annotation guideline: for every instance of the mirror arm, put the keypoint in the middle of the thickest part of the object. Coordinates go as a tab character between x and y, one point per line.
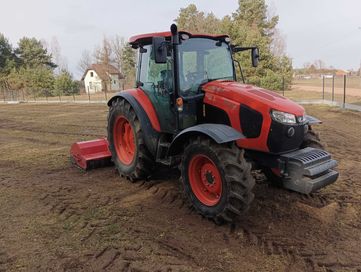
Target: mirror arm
236	49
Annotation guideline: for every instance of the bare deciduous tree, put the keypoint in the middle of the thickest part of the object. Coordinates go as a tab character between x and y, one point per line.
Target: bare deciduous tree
103	54
320	64
118	44
278	44
85	61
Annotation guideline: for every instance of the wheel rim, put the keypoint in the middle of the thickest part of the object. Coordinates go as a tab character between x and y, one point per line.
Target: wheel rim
124	141
205	180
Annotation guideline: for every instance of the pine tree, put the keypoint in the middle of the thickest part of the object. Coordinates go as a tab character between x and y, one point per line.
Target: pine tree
32	54
128	65
249	25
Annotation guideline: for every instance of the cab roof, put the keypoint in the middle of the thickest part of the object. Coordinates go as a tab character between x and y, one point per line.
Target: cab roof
147	38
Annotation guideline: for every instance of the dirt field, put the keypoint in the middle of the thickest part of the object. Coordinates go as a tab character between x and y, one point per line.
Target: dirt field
304	92
312	89
55	218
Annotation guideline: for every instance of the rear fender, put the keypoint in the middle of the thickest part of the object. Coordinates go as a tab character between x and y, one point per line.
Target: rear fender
217	132
143	100
150	135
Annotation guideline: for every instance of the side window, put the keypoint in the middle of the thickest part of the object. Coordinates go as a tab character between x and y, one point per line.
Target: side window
156	77
189	62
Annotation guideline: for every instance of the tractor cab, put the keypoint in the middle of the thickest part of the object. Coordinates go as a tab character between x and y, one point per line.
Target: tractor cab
173	68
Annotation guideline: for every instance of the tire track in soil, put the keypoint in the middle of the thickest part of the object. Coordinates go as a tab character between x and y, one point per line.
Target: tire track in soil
5	260
314	260
170	195
270	245
61	202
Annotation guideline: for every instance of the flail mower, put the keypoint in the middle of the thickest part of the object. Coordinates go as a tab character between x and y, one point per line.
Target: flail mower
189	110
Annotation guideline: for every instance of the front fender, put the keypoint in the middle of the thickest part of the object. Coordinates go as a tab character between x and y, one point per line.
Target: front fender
312	120
217	132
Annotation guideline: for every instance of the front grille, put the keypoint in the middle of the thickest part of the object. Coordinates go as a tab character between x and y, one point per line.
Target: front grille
314	156
308	156
278	140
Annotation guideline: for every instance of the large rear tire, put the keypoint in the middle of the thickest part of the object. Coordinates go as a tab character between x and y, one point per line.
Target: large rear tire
129	152
217	179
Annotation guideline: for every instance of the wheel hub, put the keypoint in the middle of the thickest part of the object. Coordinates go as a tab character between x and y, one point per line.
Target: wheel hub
205	180
210	178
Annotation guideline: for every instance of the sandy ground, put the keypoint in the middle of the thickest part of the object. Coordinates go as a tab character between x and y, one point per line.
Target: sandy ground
54	217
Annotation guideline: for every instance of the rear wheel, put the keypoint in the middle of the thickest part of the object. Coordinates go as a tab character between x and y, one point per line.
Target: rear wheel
217	179
129	153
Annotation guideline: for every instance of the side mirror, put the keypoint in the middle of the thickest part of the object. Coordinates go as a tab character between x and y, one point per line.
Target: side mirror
159	49
255	56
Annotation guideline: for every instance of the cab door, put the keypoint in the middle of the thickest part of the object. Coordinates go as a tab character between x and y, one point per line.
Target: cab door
156	80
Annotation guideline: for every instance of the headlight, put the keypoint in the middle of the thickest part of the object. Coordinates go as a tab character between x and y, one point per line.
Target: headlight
283	117
301	119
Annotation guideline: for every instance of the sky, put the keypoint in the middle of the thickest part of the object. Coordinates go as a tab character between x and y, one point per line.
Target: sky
329	30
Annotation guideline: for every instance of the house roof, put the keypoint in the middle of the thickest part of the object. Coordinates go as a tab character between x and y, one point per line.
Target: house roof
103	71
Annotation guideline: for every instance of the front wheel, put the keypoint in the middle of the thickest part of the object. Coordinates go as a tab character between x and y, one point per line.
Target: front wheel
312	139
217	179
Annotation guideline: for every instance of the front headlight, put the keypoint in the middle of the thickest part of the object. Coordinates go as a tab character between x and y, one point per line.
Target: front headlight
283	117
301	119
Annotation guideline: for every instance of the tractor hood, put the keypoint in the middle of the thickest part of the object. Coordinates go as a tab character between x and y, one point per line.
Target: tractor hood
252	96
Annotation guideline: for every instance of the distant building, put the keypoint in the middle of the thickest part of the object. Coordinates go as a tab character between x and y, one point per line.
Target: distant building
341	72
101	77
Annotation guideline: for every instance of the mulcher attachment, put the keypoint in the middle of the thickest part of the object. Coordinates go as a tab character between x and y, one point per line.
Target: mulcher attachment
91	154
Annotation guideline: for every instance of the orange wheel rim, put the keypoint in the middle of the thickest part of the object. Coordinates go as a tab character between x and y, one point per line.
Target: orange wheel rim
205	180
124	141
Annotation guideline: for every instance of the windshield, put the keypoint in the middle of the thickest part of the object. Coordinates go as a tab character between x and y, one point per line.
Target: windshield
202	60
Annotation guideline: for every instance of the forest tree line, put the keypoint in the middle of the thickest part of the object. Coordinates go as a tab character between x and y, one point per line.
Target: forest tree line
33	68
252	24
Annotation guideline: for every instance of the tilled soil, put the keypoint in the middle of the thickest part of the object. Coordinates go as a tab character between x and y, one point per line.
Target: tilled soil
53	217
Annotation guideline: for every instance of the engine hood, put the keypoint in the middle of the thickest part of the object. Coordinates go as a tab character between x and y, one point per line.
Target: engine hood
252	96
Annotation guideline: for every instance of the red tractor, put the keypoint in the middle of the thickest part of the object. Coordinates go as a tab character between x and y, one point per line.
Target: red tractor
188	110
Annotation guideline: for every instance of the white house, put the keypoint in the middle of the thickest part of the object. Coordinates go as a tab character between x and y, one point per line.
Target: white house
101	77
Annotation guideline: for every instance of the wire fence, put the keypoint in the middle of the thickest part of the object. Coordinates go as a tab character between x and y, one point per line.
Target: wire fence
15	96
343	91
